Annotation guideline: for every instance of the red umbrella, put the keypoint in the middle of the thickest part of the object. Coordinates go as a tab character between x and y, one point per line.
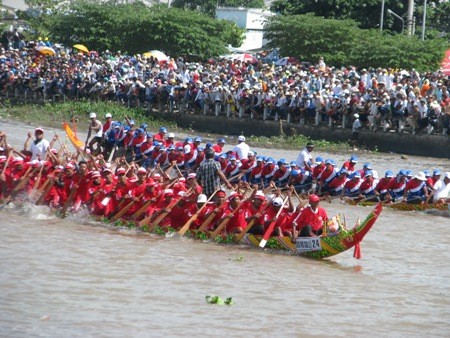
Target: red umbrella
445	65
245	57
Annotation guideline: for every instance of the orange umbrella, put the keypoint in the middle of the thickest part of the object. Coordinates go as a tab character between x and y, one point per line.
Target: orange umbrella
46	50
82	48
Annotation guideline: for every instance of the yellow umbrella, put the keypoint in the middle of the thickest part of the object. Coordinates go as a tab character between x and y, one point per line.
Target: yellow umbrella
156	54
46	50
83	48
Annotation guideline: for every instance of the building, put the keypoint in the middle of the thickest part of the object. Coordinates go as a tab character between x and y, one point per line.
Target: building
250	19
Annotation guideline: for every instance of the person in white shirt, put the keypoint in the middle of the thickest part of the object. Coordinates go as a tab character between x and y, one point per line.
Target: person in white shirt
242	148
441	190
39	146
304	159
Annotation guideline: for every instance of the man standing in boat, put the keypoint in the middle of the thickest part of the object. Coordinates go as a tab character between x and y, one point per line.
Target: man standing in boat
209	174
95	127
304	159
441	189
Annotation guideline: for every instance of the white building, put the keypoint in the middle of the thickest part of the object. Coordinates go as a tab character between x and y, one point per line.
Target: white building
251	19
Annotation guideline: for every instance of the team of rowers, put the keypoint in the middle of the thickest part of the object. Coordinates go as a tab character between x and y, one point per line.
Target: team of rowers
261	195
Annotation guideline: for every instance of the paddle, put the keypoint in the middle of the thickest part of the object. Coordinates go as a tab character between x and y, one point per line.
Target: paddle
271	226
225	221
45	192
122	211
240	236
186	227
22	182
70	199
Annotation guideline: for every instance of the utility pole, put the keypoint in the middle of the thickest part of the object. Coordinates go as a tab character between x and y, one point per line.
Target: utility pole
409	19
382	15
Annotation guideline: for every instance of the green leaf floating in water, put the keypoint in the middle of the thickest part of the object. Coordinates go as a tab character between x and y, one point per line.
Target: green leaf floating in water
217	300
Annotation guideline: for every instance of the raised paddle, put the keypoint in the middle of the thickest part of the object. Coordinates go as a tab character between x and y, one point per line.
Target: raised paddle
45	191
186	226
271	226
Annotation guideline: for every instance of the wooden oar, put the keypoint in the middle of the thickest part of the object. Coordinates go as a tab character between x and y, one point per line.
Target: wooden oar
20	185
122	211
271	226
240	236
225	221
70	199
45	192
186	226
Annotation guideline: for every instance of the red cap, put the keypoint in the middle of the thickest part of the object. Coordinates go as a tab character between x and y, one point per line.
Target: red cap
314	198
221	193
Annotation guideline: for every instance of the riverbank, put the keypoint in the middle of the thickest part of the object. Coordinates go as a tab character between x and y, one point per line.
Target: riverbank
259	133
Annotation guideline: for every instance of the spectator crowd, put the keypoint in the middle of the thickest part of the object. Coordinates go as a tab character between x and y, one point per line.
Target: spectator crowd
380	98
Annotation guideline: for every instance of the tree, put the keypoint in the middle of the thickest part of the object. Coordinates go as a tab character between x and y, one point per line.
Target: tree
367	13
342	43
136	28
209	6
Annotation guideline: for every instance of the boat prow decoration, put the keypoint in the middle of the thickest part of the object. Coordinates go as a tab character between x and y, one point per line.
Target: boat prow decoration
324	246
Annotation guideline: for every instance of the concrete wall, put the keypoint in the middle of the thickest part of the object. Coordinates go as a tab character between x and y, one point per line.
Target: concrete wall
420	145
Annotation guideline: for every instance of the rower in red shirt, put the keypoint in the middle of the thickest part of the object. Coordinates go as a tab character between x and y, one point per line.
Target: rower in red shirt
337	185
318	167
255	173
416	189
381	188
237	222
160	135
349	165
311	219
218	148
282	226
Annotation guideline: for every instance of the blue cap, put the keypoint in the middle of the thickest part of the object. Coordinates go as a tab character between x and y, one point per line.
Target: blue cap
188	140
368	173
295	172
328	161
409	172
427	173
127	128
209	145
221	140
319	159
143	126
163	130
156	143
233	158
355	174
198	139
388	174
436	172
200	148
367	166
223	155
139	131
343	171
259	158
402	173
149	135
171	147
180	148
270	160
293	164
354	159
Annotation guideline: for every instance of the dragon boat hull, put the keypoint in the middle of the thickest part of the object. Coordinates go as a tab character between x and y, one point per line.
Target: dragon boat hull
324	246
408	206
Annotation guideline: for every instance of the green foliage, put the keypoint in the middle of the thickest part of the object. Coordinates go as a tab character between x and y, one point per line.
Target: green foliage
209	6
56	113
211	299
342	43
136	28
367	13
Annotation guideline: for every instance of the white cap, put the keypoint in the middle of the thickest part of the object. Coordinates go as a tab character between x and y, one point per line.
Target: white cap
356	116
241	138
187	149
277	201
108	115
92	115
447	174
202	198
171	135
421	176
